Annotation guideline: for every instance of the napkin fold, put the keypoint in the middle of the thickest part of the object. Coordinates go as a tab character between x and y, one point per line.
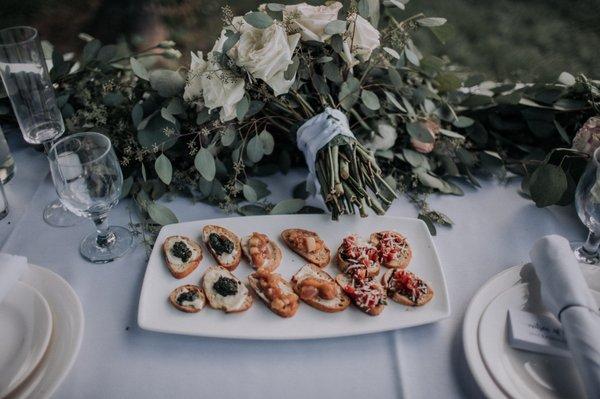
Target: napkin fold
12	268
566	294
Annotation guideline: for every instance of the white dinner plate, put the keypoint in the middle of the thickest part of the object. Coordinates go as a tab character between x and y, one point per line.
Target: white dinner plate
157	314
25	329
67	334
499	370
521	373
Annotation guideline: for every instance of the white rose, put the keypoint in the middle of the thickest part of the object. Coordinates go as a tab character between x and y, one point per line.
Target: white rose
266	54
311	20
208	85
361	40
192	92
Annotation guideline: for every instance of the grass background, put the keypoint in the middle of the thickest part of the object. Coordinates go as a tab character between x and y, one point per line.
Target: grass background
503	39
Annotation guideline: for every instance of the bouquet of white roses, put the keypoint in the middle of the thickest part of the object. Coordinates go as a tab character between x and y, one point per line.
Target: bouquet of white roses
309	72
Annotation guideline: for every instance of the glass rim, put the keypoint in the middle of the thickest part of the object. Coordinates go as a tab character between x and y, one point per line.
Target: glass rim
53	150
32	37
596	156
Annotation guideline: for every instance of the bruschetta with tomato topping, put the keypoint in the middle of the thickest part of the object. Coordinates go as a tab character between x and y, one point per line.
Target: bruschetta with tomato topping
406	288
367	294
358	257
393	249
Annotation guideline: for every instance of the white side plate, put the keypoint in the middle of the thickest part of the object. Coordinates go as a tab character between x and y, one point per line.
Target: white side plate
26	328
67	334
157	314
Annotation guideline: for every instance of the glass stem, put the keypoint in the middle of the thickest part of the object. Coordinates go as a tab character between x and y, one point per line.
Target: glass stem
105	237
591	244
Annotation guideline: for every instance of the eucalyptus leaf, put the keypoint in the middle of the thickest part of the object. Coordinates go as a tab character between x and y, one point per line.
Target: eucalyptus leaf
258	19
392	52
252	210
419	131
370	100
363	8
164	169
567	79
137	114
411	57
255	149
249	193
275	7
152	132
392	98
228	136
547	185
241	108
431	22
167	83
90	50
349	92
428	222
161	214
291	70
288	206
335	27
205	164
166	115
260	188
463	121
267	141
126	187
138	69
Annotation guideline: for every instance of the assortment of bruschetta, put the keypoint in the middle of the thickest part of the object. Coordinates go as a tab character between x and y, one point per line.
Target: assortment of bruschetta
359	261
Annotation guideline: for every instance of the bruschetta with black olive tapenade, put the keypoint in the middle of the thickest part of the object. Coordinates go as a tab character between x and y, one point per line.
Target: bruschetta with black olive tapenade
225	291
224	246
182	255
188	298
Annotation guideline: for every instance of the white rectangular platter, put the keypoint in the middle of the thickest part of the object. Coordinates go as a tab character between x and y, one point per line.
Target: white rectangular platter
157	314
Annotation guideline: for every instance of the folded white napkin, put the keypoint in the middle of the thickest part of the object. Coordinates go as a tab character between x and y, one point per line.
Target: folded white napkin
566	294
12	268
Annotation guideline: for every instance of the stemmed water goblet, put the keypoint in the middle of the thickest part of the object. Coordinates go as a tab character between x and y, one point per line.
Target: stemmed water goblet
88	179
587	203
29	88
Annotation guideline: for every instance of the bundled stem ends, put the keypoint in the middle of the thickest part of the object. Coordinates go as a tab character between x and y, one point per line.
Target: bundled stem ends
350	179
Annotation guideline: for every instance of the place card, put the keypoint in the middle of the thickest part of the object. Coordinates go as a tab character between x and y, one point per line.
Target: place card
536	333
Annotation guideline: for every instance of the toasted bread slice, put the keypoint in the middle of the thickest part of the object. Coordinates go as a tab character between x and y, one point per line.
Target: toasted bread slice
338	303
225	291
179	267
399	245
320	256
423	294
282	310
229	260
350	285
273	253
188	298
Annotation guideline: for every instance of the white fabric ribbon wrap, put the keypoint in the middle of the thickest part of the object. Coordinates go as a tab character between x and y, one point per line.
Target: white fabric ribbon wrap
566	294
315	133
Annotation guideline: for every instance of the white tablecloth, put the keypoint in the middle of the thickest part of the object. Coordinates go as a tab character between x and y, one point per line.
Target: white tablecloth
494	229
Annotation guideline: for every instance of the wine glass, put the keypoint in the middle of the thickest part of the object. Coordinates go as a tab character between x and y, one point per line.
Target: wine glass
29	88
88	180
587	203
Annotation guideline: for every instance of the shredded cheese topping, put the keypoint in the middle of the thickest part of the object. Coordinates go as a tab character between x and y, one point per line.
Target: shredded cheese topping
392	246
360	254
366	293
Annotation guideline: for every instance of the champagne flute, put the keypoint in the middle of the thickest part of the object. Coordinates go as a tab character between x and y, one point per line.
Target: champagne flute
29	88
88	180
587	203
